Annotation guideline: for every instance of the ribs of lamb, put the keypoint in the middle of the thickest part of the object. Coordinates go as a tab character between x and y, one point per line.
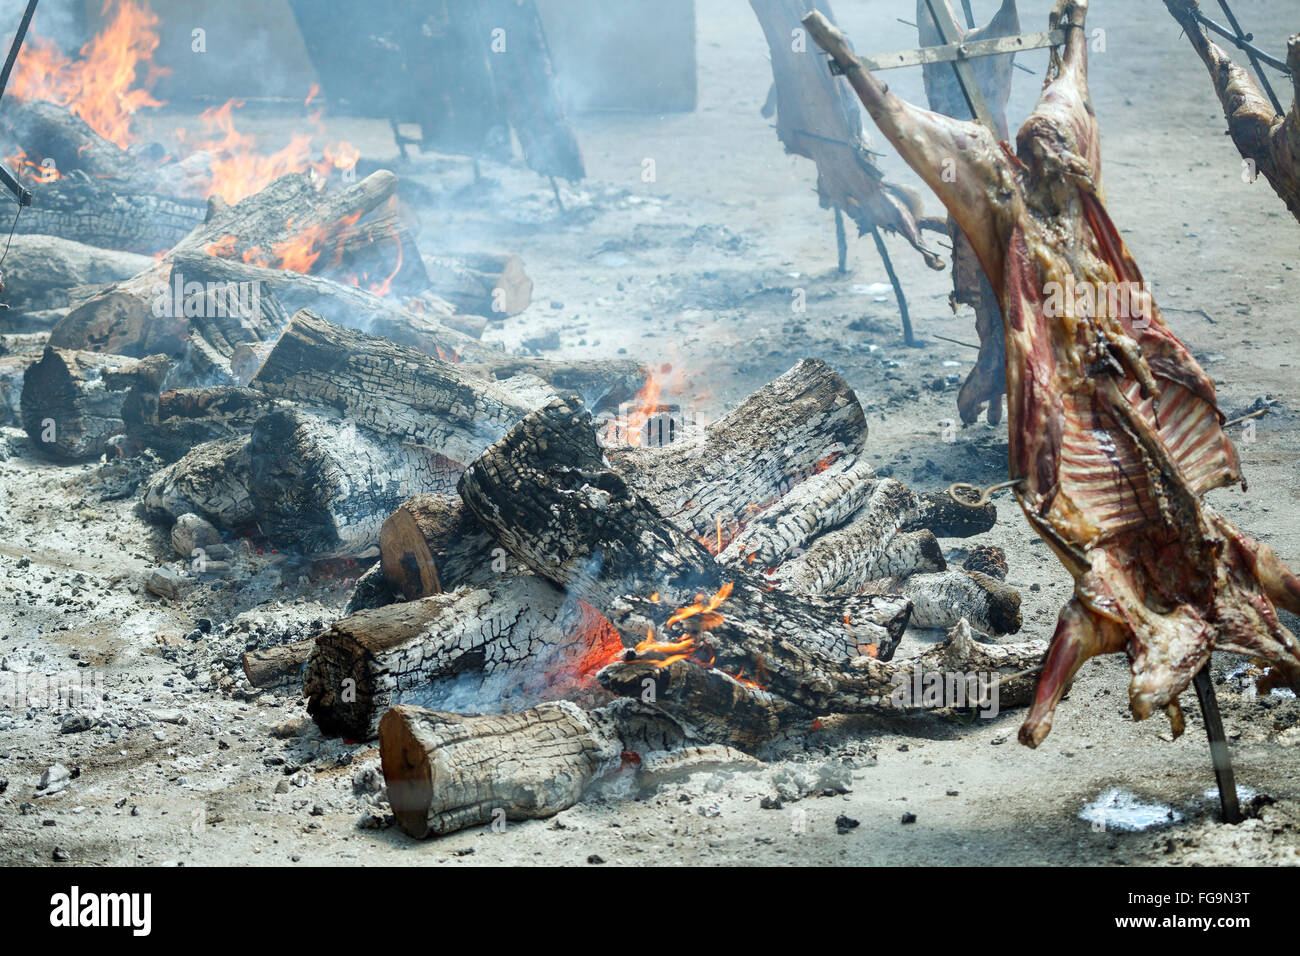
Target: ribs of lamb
1114	431
1261	135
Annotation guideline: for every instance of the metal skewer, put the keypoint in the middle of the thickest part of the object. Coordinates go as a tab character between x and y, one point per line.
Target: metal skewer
1219	753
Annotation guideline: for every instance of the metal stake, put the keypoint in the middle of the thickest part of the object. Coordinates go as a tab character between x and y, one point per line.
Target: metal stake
841	241
898	287
1219	754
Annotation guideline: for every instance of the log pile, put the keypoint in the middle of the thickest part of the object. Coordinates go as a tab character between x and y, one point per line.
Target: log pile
719	590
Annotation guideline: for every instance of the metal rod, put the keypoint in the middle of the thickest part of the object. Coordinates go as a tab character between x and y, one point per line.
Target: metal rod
1254	58
1219	754
841	241
16	45
10	181
970	14
1240	43
970	90
898	286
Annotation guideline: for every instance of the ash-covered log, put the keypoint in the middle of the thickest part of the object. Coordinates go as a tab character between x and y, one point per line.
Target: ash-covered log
391	390
173	422
446	772
72	400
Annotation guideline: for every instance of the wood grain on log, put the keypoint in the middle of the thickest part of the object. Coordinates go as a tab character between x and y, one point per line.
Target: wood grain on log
787	431
446	772
545	494
387	388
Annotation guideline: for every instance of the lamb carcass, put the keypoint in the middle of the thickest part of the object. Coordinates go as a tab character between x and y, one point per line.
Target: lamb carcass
1114	429
1262	136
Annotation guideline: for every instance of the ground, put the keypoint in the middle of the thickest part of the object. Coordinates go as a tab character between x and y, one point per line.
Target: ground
699	269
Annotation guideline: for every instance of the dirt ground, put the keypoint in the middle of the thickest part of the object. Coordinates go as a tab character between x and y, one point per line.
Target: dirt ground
699	269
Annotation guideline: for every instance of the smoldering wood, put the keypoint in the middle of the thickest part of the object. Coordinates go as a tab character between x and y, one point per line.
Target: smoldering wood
546	496
390	389
468	649
943	598
818	119
41	271
123	319
782	434
709	704
492	285
99	213
173	422
325	485
211	480
71	402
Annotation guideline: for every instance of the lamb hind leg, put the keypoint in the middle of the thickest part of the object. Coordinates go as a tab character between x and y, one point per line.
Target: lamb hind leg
1079	636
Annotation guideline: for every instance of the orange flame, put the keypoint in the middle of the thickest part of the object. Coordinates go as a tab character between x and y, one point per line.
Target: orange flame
701	616
100	86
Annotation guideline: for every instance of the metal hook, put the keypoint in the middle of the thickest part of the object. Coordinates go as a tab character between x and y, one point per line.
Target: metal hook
984	493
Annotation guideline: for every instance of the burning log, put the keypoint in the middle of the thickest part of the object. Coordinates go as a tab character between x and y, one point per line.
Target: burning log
287	292
1266	138
818	120
467	649
789	430
545	495
289	223
941	513
72	401
483	284
326	485
446	772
